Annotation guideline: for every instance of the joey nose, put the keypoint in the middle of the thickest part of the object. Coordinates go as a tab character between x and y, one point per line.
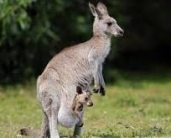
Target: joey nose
90	104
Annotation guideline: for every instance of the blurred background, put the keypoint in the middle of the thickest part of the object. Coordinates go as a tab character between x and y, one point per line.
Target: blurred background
33	31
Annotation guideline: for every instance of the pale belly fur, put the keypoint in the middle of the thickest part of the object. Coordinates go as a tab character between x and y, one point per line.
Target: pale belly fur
66	117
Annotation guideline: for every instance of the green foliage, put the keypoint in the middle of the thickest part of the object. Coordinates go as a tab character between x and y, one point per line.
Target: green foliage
13	18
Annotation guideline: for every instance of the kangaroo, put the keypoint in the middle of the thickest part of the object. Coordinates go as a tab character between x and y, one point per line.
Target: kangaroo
81	99
75	66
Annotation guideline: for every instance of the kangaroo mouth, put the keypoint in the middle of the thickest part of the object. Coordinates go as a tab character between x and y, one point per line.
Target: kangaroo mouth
120	34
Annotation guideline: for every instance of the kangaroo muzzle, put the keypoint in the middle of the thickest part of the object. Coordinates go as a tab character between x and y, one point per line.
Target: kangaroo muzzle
118	31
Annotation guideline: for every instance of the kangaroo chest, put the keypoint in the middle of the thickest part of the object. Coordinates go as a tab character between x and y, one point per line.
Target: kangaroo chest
103	51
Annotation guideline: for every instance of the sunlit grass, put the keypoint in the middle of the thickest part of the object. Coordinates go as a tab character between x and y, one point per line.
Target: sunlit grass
132	107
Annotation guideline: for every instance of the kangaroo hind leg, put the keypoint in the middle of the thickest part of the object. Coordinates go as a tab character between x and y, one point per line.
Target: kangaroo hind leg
45	132
50	107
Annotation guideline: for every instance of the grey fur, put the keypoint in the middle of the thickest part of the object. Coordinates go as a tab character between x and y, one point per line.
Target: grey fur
76	65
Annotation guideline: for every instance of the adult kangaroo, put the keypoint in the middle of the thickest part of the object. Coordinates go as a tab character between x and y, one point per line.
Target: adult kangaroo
75	66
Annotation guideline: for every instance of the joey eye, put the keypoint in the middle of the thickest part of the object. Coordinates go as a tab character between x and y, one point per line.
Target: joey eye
109	23
86	98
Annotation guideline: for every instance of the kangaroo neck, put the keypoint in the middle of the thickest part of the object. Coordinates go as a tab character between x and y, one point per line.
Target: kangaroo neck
102	41
102	45
102	37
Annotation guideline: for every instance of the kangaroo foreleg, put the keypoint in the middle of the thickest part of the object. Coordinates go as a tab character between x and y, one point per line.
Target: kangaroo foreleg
99	81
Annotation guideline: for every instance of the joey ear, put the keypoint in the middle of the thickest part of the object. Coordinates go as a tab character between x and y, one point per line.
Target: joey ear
79	90
102	8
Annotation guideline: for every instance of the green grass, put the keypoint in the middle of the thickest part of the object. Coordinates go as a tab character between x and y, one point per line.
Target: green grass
135	106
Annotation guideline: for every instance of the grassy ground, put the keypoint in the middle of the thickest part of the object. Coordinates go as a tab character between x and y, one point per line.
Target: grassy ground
135	106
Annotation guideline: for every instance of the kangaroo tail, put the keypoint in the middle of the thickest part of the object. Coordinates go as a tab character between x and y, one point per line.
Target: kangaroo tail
29	132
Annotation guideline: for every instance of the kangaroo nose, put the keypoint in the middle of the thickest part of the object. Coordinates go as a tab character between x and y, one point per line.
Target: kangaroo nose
121	32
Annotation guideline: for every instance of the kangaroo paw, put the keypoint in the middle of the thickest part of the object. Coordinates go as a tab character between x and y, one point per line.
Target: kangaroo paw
102	91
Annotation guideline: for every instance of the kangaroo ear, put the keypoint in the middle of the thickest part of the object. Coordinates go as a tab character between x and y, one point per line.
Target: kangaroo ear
79	90
92	9
102	8
95	11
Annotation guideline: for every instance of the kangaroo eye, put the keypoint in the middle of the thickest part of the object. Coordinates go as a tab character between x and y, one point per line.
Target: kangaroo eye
109	23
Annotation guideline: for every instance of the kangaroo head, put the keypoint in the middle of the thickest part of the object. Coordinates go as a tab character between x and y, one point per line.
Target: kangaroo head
104	25
82	97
